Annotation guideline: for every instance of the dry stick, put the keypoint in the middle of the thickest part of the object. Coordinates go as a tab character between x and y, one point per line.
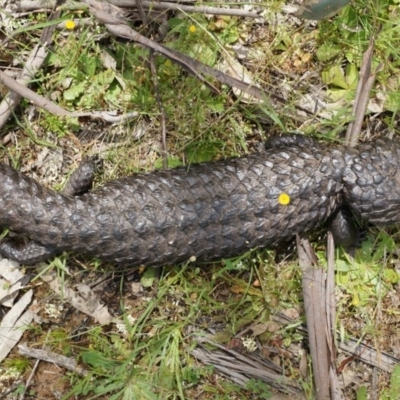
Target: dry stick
161	108
19	90
12	99
65	362
33	64
28	382
361	349
154	78
313	282
364	87
22	91
241	366
143	16
192	9
111	16
330	303
27	5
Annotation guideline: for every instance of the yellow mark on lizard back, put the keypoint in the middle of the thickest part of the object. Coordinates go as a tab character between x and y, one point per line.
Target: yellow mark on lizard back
284	199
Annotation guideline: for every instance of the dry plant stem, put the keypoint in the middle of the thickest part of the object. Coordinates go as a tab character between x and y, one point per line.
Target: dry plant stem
143	16
48	356
28	382
31	67
313	282
154	77
114	20
364	87
32	5
330	292
12	99
369	355
336	392
240	368
112	17
19	90
364	352
39	101
161	109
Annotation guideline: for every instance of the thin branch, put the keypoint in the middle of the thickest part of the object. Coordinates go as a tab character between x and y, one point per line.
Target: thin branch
240	367
31	67
20	90
65	362
313	281
116	24
161	108
364	87
28	382
28	5
330	304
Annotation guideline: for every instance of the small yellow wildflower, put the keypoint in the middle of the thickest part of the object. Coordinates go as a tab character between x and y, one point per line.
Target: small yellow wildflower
192	28
284	199
70	24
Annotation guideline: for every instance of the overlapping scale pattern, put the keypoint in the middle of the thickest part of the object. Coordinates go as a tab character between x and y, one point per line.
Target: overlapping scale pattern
209	211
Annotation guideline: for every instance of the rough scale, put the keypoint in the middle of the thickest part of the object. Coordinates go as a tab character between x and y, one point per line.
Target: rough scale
211	211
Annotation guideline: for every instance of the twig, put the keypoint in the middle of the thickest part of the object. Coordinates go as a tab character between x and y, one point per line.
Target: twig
143	16
336	393
22	91
65	362
28	5
114	21
363	351
161	108
313	281
33	64
241	368
28	382
12	99
367	79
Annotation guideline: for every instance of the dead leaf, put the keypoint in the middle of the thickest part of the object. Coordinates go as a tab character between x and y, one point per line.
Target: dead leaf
14	324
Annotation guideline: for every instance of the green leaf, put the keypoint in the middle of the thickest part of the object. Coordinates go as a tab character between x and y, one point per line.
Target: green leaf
342	266
203	53
391	276
395	379
334	75
328	51
392	101
172	162
202	151
352	75
148	277
216	104
74	91
362	393
96	360
104	78
88	64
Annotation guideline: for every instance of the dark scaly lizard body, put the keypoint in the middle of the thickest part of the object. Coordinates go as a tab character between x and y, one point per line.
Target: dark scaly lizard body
210	211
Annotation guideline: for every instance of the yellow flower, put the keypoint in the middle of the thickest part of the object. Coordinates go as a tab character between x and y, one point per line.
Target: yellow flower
70	24
192	28
284	199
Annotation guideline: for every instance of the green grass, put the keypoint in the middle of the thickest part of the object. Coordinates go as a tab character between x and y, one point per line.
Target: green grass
150	357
